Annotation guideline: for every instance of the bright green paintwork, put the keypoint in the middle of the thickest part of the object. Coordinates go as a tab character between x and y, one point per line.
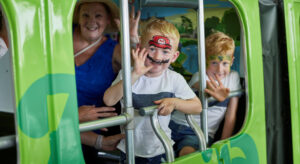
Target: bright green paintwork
249	146
292	23
45	92
255	118
41	36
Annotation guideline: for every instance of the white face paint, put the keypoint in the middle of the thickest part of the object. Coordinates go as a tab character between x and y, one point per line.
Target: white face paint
3	48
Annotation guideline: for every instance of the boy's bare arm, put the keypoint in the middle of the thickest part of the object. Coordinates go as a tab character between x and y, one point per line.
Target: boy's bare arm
113	94
190	106
230	118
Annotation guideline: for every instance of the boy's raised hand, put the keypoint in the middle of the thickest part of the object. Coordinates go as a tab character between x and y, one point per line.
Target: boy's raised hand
165	106
219	92
134	25
139	58
134	20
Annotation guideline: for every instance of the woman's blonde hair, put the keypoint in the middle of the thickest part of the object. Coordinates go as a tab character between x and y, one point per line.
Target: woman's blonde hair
162	27
219	43
111	8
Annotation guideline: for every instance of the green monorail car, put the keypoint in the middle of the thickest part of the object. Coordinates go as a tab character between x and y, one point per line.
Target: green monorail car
41	88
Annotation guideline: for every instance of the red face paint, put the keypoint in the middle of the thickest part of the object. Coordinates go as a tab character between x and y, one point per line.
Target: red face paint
160	42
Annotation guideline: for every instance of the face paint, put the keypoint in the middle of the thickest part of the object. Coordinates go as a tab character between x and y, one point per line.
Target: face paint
158	62
220	57
160	42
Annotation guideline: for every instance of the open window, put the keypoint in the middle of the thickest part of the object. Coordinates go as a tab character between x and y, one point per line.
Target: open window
219	16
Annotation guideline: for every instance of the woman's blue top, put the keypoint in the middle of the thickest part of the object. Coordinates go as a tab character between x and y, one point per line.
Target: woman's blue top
95	75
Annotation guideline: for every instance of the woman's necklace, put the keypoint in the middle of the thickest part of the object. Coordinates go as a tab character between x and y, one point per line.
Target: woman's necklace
88	47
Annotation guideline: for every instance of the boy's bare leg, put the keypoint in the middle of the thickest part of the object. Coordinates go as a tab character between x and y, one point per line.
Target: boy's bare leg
186	150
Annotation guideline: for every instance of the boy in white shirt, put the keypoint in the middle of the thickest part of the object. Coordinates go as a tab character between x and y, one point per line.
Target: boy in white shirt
153	83
219	57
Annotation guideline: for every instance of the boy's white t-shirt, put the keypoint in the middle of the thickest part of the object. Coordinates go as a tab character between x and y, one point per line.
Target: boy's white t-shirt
216	112
144	91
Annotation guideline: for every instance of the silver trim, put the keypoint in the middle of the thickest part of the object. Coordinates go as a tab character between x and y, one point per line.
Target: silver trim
104	123
125	44
164	139
196	128
7	142
202	67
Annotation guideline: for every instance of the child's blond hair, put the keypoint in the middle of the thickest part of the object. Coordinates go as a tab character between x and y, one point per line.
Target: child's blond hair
219	43
162	27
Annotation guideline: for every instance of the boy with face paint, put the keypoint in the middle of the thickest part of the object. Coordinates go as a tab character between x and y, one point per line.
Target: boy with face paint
220	80
153	83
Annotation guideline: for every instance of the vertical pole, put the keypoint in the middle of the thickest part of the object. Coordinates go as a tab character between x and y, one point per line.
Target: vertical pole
125	43
202	69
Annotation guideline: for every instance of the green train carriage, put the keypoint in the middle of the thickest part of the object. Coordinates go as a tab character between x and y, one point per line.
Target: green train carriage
44	92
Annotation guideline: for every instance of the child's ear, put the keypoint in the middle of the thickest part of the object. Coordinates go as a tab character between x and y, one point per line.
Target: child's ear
175	56
232	60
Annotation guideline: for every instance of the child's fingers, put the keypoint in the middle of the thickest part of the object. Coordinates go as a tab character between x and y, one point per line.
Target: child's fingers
166	110
209	91
160	105
219	80
145	55
209	85
148	68
138	16
160	112
132	12
117	21
157	101
161	109
212	81
227	90
142	53
134	53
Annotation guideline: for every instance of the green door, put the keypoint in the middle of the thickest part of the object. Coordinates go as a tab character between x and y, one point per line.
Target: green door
42	55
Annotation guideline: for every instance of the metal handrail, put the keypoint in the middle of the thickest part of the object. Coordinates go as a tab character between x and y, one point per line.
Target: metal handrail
165	140
7	141
202	66
127	92
147	111
104	123
231	94
196	128
171	3
151	111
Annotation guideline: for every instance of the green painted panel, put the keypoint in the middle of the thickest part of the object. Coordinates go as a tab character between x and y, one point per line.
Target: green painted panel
209	156
41	37
42	51
292	23
254	126
249	145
